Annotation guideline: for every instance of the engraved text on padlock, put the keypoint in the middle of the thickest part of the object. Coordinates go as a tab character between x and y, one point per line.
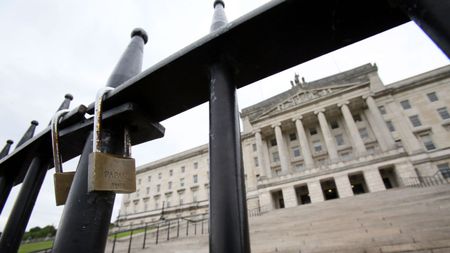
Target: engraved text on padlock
109	172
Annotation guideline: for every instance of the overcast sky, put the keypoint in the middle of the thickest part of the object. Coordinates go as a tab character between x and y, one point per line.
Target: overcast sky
49	48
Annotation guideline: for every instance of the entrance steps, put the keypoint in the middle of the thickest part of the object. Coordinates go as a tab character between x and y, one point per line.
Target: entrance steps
398	220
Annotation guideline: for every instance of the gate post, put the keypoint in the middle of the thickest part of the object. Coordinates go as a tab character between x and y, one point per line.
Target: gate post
85	220
228	208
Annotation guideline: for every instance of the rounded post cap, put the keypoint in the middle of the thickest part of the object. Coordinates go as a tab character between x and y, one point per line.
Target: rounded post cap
10	142
140	32
68	96
219	2
34	122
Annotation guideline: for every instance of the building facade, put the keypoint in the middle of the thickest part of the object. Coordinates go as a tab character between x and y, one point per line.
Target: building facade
336	137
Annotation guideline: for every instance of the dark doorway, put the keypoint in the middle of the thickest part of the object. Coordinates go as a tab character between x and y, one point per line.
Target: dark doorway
329	189
278	201
358	183
302	193
389	177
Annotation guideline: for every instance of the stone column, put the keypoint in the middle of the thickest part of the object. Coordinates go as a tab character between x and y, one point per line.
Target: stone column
304	144
343	186
403	126
354	132
259	151
374	180
284	159
381	131
329	140
265	200
315	192
289	196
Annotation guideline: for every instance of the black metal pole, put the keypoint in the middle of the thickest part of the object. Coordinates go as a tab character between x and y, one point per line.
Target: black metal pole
7	180
86	217
114	242
131	239
187	227
6	148
145	236
195	228
21	212
432	17
228	222
157	234
23	207
168	231
228	208
178	228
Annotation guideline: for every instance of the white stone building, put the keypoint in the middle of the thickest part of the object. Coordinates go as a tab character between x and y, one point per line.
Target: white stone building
336	137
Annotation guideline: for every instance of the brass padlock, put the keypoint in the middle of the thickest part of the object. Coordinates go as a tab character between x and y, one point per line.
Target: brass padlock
107	172
62	180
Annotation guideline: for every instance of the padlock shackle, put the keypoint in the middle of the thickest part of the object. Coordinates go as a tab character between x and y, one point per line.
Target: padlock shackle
98	118
57	159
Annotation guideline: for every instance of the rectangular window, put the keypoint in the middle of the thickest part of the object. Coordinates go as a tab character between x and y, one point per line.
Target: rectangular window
432	96
334	124
156	205
148	190
273	142
159	175
292	137
170	172
169	186
182	182
181	201
168	203
296	151
195	179
317	146
339	139
149	178
363	133
275	157
357	118
194	196
405	104
427	142
443	112
254	146
158	188
415	121
255	160
390	126
382	109
196	165
183	169
139	181
444	169
312	131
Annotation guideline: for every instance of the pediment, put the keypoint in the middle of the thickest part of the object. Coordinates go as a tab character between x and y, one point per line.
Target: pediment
304	96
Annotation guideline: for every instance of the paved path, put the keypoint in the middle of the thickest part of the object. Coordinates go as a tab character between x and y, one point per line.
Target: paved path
398	220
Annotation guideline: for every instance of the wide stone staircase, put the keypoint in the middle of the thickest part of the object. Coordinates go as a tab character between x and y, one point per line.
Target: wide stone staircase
397	220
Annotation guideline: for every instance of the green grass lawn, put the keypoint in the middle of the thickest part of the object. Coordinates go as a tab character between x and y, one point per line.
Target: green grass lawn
127	233
30	247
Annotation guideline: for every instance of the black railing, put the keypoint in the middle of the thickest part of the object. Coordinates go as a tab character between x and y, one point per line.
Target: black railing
275	37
